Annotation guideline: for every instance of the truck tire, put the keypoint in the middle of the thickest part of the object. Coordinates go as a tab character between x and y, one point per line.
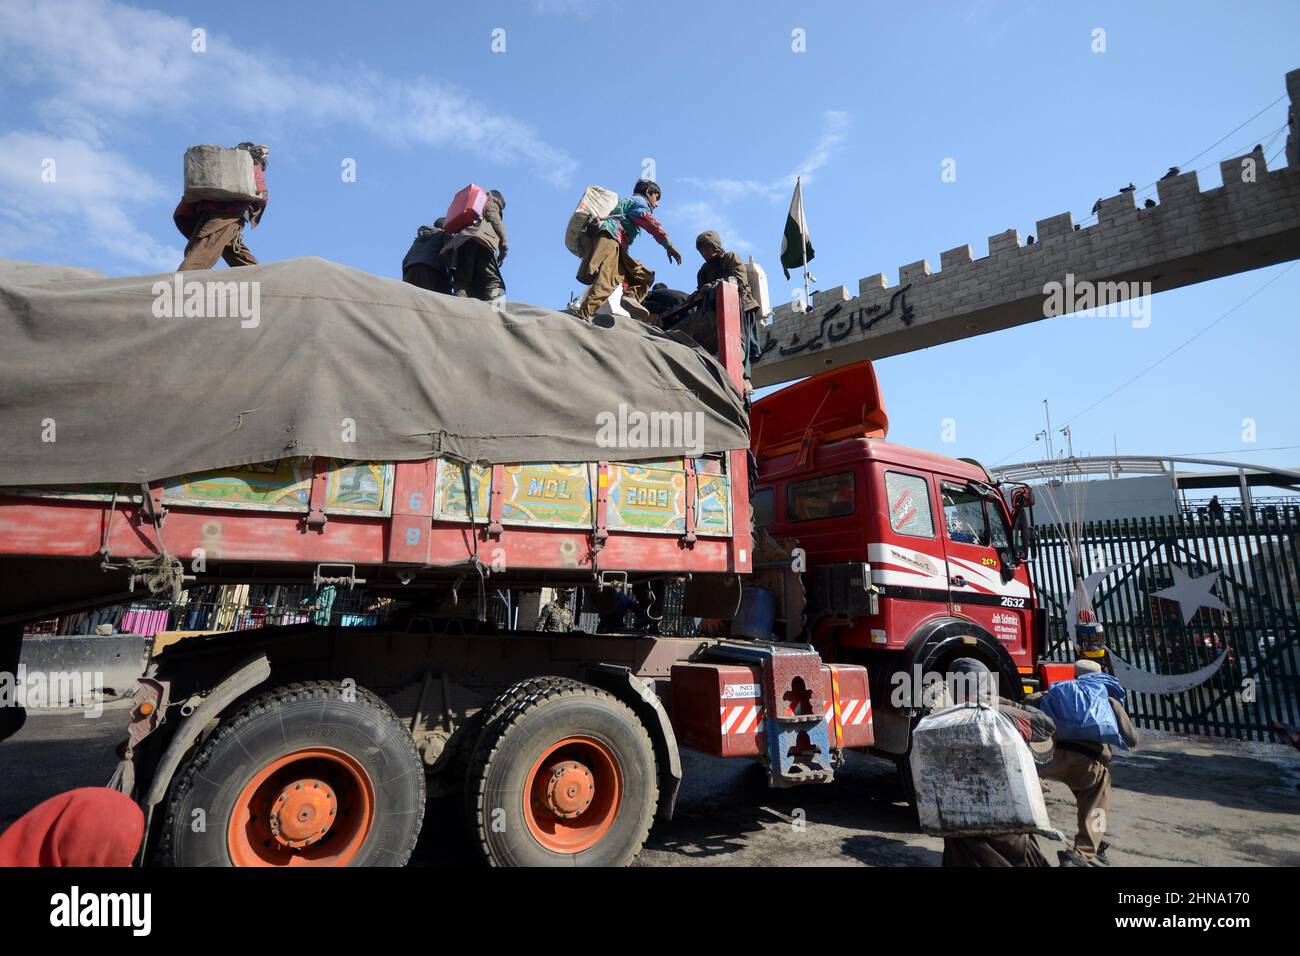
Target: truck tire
482	719
566	776
292	758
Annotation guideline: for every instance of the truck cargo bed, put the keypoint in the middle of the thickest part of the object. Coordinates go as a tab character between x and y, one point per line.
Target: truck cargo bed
551	521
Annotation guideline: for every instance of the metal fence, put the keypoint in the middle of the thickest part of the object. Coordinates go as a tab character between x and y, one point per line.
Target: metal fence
228	608
1241	630
244	607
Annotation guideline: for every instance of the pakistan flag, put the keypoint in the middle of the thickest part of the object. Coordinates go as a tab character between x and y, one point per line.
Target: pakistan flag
796	247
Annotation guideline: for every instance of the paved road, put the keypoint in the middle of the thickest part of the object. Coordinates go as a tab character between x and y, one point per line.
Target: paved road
57	751
1178	800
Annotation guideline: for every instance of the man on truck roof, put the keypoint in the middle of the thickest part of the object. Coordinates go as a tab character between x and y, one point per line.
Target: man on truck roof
700	321
215	230
720	266
608	264
423	265
477	252
661	299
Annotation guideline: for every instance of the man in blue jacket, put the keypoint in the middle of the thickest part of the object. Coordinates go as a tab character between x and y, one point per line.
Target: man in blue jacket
1084	767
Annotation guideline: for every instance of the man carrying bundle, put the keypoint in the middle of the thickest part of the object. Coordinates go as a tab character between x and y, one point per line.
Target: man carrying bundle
475	254
608	265
215	229
1090	717
970	683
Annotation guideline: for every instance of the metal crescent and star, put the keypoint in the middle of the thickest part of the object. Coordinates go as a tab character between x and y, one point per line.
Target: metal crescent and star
1191	595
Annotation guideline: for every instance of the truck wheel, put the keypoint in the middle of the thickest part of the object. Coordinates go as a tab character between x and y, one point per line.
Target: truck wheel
303	775
565	777
482	719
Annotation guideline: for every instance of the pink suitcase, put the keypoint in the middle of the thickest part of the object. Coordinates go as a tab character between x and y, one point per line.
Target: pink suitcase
466	208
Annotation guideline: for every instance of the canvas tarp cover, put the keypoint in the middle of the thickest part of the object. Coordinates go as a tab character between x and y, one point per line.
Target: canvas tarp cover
129	395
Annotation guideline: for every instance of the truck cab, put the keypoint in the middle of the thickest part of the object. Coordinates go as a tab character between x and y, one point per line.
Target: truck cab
909	559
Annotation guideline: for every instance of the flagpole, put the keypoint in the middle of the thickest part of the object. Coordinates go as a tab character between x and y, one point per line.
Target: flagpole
803	241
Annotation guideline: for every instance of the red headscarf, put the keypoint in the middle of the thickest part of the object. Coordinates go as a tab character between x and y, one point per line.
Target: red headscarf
92	826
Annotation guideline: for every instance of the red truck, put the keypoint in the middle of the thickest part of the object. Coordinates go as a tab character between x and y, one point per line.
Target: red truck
874	567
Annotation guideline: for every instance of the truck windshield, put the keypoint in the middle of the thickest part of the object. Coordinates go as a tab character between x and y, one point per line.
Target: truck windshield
963	514
972	518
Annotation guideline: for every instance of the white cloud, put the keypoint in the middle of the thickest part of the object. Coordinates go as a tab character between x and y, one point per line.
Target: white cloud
699	216
710	214
100	74
835	126
734	190
84	198
93	66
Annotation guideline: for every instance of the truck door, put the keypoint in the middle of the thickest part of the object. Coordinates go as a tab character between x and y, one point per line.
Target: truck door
906	554
984	583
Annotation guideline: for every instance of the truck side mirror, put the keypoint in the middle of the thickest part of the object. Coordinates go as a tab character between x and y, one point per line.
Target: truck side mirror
1022	536
1010	561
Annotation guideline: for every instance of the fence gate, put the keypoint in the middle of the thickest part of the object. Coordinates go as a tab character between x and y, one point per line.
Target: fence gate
1202	616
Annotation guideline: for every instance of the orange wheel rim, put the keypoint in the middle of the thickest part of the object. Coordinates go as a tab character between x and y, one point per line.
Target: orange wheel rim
572	794
312	807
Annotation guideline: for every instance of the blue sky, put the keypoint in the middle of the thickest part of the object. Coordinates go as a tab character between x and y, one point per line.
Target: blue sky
713	96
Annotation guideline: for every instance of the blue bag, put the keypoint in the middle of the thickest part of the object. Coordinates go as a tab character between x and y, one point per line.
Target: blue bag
1081	709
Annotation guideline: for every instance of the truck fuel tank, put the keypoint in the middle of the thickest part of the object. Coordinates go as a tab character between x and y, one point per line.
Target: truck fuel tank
718	708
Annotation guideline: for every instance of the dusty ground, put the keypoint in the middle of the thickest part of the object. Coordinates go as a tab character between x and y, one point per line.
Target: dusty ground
1178	801
1184	801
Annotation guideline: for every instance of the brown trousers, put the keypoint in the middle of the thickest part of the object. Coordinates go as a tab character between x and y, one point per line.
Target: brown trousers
1009	849
611	266
478	274
216	237
1089	780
